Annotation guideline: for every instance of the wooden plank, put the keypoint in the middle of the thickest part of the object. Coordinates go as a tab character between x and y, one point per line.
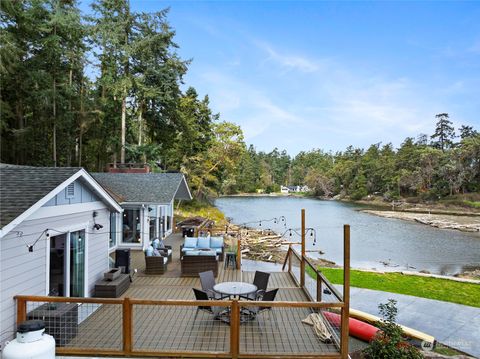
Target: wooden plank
21	309
36	298
302	263
346	291
127	326
235	330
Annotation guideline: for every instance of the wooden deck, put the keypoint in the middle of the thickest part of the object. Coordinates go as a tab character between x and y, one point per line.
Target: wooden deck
175	328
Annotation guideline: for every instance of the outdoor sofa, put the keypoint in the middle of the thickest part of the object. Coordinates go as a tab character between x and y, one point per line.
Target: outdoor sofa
194	262
204	243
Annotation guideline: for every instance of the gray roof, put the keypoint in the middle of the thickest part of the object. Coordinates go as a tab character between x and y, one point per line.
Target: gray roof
23	186
144	187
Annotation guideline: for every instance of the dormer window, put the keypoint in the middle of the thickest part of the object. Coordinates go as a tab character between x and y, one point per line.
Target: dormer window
70	190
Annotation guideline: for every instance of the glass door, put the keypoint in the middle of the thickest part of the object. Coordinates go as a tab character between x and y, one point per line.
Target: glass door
77	264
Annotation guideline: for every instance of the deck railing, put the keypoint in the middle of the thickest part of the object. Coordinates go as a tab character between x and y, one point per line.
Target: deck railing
313	282
173	328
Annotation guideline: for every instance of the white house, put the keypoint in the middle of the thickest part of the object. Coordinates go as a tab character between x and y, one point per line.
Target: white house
54	237
147	200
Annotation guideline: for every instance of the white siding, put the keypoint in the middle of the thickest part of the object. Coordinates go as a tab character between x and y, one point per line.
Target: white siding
24	272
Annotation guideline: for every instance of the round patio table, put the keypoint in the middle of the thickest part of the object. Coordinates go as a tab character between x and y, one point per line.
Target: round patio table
235	288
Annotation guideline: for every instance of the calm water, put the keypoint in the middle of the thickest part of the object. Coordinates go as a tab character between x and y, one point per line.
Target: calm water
374	239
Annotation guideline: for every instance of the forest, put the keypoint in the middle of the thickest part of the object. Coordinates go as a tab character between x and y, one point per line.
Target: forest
108	87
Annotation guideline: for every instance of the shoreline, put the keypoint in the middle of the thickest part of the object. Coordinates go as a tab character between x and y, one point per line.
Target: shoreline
463	223
434	215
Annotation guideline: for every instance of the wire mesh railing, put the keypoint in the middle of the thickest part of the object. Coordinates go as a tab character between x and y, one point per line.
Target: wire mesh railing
73	322
319	289
294	265
285	329
182	328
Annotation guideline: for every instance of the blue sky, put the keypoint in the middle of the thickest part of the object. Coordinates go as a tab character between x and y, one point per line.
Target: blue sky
304	75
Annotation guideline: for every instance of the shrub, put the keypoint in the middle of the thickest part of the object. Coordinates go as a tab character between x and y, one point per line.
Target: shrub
389	343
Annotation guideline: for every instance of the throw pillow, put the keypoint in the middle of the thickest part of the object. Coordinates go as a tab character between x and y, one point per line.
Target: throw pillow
190	242
203	242
216	242
149	251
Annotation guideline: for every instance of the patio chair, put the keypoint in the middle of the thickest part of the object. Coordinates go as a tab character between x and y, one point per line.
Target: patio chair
254	312
217	312
261	281
207	279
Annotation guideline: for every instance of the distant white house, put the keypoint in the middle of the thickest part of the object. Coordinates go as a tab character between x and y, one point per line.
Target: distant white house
294	189
54	237
147	200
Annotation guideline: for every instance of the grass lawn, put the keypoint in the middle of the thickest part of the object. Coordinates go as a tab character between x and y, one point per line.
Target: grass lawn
432	288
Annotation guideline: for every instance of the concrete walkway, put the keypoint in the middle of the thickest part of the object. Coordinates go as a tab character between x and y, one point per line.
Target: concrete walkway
455	325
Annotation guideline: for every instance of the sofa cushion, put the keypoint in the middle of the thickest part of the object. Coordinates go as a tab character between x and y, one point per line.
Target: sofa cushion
218	250
203	242
190	242
189	249
149	251
216	242
208	253
201	253
193	252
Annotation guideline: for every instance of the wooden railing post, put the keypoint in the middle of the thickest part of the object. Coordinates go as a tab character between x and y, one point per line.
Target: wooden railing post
239	254
302	263
319	288
346	291
235	329
127	326
290	259
21	310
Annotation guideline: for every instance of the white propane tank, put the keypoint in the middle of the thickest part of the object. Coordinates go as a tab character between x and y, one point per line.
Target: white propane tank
31	342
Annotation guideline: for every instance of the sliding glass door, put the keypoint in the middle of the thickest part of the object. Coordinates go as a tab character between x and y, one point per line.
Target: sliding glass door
77	264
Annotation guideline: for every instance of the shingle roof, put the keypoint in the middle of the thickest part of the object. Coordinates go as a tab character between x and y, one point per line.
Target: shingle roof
23	186
144	187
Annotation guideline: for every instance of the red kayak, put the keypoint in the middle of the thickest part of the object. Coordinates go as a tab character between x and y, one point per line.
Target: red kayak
357	328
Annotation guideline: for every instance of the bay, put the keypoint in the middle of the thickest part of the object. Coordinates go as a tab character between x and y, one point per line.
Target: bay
376	242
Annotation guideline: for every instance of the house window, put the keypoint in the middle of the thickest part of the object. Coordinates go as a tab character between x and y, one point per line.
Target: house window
131	226
70	190
113	229
153	228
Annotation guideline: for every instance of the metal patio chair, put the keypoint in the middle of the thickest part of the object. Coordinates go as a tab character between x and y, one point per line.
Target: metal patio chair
207	279
254	312
217	312
261	282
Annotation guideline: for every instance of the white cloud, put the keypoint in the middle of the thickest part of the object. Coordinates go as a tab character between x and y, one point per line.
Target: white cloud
246	105
289	61
320	103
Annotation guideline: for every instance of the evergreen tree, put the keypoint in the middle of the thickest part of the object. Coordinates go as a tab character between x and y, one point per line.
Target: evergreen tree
444	131
467	131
